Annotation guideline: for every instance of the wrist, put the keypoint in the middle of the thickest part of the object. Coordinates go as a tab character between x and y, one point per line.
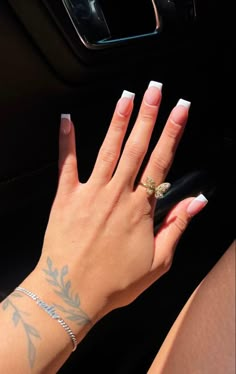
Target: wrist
58	304
74	295
50	310
42	338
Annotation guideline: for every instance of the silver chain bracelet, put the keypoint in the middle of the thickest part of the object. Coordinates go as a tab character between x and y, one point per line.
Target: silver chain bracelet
49	309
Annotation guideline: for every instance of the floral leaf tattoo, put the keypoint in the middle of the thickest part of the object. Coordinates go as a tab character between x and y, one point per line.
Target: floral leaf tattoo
63	289
30	331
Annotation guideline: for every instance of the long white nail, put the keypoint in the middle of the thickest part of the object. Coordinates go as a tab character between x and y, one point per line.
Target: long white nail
66	125
184	103
156	84
66	116
128	94
197	205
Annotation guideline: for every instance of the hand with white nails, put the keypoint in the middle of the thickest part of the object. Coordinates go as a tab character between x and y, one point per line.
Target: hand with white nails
106	224
99	251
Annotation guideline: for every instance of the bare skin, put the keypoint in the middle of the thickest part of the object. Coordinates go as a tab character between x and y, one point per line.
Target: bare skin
202	339
91	264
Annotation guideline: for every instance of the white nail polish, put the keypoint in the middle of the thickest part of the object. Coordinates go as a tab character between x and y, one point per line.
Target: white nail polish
201	198
66	116
128	94
184	103
197	205
156	84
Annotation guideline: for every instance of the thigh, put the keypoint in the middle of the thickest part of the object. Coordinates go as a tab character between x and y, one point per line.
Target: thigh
202	339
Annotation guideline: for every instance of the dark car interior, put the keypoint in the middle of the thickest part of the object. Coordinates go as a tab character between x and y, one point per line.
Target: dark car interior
77	56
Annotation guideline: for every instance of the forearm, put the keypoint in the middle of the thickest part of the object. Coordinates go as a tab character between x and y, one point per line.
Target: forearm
37	342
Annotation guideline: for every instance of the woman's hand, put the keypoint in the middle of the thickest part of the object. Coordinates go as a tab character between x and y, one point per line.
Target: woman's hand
102	230
99	250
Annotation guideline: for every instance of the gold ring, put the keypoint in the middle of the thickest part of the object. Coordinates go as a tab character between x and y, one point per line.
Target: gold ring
153	189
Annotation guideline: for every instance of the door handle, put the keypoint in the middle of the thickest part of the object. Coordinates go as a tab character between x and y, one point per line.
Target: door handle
101	24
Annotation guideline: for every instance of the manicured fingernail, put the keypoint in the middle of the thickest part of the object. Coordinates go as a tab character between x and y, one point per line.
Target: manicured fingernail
152	95
156	84
184	103
124	104
197	205
179	113
128	94
65	123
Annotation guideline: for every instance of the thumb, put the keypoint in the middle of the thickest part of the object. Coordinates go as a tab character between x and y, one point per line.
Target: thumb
172	229
67	164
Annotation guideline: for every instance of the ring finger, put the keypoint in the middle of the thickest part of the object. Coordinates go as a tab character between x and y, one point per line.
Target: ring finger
163	154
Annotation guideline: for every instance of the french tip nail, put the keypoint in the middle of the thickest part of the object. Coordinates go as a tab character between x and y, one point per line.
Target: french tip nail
156	84
66	125
128	94
196	205
184	103
201	198
66	116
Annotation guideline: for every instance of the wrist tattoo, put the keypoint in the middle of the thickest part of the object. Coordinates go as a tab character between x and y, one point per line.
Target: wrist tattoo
18	318
62	288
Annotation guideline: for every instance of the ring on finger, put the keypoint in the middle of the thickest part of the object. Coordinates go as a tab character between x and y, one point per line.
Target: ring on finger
152	189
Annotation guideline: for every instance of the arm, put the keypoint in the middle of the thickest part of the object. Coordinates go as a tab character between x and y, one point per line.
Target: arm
89	264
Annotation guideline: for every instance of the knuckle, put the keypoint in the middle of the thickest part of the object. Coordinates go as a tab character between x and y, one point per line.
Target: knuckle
135	150
67	166
148	113
160	164
142	213
118	125
173	130
107	155
180	223
147	116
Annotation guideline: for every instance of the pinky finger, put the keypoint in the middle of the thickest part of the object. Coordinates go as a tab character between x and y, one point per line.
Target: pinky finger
172	229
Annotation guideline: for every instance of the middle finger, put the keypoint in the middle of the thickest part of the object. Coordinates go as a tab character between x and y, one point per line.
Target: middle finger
138	141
